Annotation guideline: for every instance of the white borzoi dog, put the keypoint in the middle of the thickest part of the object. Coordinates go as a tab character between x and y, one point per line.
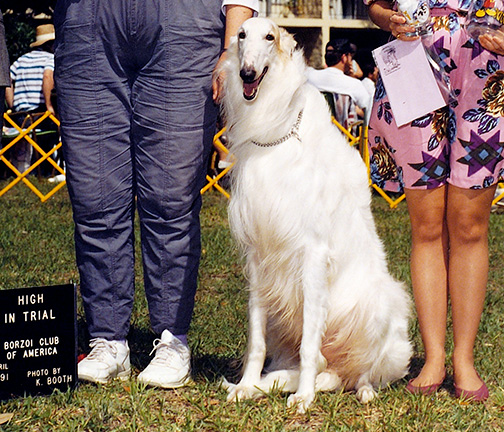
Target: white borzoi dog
323	307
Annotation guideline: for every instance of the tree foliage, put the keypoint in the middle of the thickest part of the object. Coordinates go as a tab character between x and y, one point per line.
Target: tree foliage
21	17
21	6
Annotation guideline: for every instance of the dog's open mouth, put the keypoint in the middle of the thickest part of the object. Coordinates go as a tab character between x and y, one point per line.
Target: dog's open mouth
250	88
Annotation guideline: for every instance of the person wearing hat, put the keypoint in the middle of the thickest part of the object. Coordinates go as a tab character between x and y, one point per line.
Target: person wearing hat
30	70
32	83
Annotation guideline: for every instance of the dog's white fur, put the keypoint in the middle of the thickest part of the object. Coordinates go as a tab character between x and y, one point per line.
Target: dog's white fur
322	306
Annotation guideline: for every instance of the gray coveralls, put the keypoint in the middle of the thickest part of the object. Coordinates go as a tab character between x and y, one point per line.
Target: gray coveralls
5	80
133	81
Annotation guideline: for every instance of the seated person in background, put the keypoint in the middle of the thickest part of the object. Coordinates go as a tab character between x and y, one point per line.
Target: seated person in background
32	82
370	73
338	57
355	69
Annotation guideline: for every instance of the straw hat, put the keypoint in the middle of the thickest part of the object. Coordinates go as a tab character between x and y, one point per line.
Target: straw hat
45	33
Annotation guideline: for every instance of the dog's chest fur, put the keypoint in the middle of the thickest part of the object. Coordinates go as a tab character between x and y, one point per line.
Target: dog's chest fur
266	217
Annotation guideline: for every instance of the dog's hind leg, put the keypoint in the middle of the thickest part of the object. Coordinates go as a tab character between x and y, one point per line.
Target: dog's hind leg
286	380
365	391
315	297
328	381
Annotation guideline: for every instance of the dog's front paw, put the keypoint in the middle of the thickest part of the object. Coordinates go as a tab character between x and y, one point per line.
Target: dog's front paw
238	392
226	385
366	394
301	401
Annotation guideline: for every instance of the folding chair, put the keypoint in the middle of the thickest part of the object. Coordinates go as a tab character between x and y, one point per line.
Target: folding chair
345	118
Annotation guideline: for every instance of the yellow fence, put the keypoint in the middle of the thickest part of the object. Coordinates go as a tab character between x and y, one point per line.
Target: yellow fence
360	140
28	130
213	182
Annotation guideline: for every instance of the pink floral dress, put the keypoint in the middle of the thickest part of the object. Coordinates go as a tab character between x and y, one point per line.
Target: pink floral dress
461	143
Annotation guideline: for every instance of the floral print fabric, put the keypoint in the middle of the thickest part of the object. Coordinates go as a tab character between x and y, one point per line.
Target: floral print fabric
442	4
461	143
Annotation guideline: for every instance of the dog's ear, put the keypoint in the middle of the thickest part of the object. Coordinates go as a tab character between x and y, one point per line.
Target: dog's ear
287	42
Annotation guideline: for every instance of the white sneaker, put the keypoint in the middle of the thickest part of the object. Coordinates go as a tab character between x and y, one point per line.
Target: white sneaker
223	164
106	361
57	179
171	365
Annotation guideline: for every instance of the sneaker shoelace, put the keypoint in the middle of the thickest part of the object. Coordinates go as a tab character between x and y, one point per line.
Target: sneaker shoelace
100	349
165	352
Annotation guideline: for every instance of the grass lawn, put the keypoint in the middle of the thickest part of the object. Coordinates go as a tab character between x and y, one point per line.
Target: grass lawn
36	248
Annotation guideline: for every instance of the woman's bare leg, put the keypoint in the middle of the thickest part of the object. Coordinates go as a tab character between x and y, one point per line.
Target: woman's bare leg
467	217
429	272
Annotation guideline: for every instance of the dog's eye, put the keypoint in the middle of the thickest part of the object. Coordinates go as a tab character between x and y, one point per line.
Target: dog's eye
242	35
270	37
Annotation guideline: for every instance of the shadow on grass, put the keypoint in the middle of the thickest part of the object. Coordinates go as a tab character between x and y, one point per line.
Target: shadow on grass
213	368
416	364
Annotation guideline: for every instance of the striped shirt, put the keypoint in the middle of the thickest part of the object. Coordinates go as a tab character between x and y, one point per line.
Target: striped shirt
27	72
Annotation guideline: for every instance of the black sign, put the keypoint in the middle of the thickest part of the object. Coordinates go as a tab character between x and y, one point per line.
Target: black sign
38	340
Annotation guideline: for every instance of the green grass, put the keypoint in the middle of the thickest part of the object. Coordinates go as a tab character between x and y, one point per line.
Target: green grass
36	248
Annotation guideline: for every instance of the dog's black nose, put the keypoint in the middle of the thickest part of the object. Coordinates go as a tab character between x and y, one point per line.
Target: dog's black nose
248	75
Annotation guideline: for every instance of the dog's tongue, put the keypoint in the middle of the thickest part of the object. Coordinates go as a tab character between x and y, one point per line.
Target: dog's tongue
249	88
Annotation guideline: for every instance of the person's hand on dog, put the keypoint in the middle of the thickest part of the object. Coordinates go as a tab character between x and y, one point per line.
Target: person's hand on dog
218	77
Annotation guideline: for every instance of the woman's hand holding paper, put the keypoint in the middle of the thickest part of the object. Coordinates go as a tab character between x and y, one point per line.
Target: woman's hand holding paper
400	29
493	42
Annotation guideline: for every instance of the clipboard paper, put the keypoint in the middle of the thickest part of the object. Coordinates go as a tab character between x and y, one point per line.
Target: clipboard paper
409	81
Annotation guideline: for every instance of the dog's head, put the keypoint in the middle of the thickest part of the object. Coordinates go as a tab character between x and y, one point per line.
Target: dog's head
260	41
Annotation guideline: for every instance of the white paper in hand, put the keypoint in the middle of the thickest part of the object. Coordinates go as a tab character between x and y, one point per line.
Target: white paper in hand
410	84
